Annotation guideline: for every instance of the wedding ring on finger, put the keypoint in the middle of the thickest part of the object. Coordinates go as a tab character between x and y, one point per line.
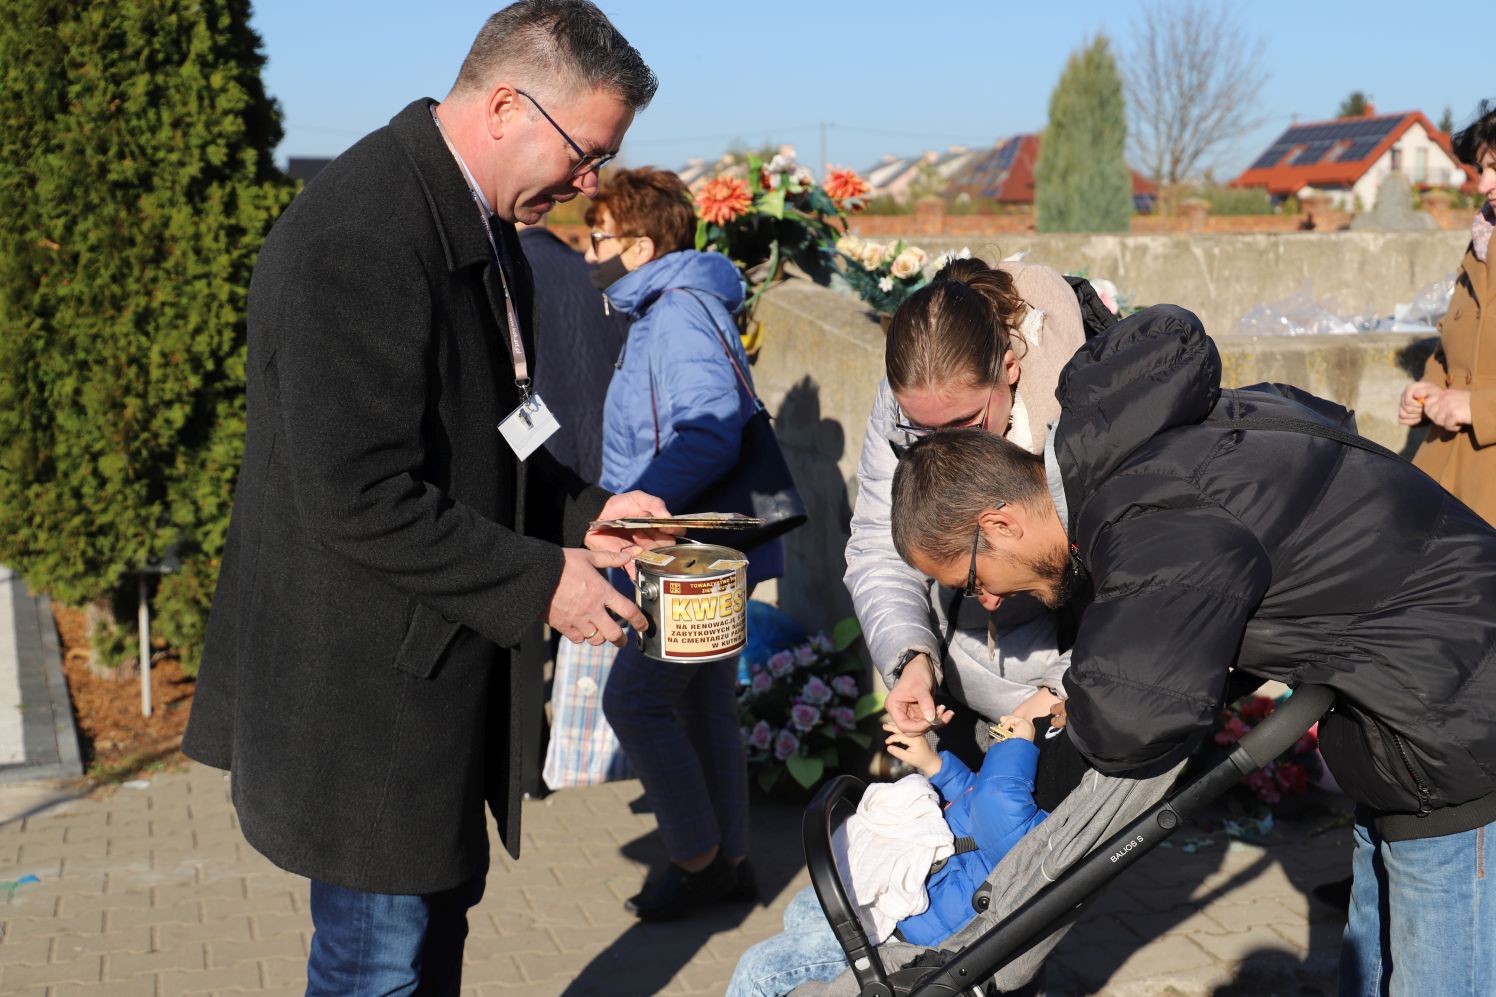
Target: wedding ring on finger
591	635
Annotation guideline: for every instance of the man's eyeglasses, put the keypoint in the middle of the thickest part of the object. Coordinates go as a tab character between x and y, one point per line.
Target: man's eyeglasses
587	161
971	591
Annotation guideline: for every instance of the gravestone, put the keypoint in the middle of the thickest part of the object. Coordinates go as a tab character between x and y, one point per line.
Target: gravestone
1394	211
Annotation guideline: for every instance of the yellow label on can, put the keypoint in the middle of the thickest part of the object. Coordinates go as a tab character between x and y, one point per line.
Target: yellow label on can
702	618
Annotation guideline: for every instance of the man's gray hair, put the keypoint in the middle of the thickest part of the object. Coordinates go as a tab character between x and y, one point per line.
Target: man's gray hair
558	48
945	481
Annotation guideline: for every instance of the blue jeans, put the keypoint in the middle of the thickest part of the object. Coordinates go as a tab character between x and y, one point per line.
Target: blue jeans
805	950
1422	918
381	945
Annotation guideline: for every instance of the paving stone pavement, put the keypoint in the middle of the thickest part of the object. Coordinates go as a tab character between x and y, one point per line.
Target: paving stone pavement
152	891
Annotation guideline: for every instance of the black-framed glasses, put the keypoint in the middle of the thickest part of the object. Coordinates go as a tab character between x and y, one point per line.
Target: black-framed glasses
588	161
971	573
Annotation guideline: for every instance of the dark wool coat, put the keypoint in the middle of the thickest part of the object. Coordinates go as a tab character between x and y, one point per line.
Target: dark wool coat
1290	556
385	545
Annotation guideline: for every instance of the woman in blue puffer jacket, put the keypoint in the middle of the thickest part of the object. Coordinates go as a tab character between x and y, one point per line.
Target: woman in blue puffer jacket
673	424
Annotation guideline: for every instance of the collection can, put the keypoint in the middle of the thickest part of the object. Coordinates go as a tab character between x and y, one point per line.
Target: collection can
695	599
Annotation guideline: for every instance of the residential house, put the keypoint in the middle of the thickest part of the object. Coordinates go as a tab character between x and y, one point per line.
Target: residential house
899	177
1005	175
1348	158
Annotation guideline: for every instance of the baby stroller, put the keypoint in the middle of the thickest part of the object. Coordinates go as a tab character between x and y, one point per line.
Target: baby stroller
1037	890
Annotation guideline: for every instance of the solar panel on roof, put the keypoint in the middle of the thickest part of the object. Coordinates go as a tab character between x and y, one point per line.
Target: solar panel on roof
1360	149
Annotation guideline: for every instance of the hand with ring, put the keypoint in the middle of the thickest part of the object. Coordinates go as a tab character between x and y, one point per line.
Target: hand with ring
585	608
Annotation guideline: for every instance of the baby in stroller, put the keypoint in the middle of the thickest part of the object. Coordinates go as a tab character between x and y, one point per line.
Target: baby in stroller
988	811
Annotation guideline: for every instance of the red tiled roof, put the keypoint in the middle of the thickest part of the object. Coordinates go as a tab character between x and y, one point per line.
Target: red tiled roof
1327	142
1006	173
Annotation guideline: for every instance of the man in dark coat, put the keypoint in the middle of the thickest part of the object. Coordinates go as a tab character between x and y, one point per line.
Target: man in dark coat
387	545
1192	542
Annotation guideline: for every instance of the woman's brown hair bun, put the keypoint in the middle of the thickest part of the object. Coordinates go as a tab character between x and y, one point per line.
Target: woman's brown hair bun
958	327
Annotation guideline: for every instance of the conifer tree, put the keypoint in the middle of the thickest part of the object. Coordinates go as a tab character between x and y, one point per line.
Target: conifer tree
1081	181
136	186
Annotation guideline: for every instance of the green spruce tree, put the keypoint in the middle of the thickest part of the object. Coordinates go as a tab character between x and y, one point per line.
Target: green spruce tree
1354	105
136	186
1081	181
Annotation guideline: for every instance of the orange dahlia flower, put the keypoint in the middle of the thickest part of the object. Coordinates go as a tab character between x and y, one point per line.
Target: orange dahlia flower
843	185
723	199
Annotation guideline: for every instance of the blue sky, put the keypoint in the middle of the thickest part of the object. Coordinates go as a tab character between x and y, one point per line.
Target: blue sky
884	76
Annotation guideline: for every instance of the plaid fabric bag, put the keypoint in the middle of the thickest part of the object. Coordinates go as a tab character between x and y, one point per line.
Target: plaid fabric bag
583	750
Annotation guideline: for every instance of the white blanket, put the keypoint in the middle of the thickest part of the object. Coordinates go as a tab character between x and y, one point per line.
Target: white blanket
887	849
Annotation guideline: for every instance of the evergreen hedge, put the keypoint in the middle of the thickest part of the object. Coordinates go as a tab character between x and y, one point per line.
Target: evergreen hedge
136	187
1081	181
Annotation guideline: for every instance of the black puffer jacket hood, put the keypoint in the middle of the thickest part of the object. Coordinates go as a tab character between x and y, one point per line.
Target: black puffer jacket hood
1153	372
1285	554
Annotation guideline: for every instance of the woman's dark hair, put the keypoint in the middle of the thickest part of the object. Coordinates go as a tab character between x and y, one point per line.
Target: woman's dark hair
1479	134
955	329
648	202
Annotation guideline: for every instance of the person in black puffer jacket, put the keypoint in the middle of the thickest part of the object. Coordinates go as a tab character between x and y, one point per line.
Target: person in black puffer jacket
1189	541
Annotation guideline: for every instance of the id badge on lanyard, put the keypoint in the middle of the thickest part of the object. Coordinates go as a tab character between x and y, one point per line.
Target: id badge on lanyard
532	422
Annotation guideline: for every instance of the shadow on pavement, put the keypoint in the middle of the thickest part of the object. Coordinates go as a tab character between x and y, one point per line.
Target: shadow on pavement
647	956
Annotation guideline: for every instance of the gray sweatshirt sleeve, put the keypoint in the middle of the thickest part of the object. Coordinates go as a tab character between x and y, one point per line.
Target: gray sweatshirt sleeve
891	599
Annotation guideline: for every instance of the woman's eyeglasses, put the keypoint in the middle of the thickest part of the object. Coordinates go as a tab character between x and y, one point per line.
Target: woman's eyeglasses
913	434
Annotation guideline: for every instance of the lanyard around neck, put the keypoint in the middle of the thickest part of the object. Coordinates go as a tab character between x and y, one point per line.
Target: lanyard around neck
516	344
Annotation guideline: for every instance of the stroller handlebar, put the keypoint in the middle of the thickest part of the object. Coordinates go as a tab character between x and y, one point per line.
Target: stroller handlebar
1287	724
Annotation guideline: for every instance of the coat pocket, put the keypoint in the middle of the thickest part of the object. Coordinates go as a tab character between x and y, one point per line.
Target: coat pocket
426	642
1373	763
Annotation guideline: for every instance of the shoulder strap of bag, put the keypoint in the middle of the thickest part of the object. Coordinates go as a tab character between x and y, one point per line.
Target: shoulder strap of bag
726	348
1308	428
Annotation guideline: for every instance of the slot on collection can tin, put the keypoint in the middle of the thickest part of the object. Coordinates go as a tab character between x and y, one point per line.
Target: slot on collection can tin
695	599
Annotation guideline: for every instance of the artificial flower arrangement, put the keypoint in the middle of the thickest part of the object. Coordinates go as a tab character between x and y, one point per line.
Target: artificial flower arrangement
882	274
1291	773
775	215
800	711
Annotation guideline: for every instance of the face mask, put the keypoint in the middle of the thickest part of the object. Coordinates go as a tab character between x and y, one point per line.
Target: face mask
608	272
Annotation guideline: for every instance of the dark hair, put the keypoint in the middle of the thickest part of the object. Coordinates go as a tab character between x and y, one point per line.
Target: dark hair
558	48
945	481
648	202
957	327
1479	134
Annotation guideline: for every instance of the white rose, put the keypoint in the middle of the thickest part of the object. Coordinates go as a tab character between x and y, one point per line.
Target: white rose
849	245
872	255
906	264
885	284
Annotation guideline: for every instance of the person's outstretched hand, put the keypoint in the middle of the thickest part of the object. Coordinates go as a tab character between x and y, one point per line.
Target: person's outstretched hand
1017	726
631	505
911	701
580	607
913	750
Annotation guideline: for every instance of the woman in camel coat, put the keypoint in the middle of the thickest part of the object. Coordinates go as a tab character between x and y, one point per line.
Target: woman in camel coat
1457	394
